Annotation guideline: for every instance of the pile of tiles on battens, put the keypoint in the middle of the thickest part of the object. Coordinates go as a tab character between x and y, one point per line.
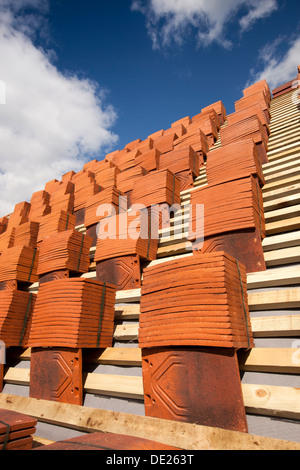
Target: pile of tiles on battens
73	313
191	137
195	301
68	250
129	235
16	430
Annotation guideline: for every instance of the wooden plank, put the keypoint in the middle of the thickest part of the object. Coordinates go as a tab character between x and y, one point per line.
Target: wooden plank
280	360
274	360
273	278
126	332
132	295
114	385
281	202
276	326
274	299
286	225
120	357
283	240
282	214
127	312
262	399
183	435
283	256
269	400
277	193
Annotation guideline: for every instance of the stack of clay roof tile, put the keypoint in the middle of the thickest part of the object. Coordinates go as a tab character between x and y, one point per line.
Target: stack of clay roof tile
254	110
56	222
234	161
26	234
19	264
166	142
249	128
123	159
110	200
195	301
66	250
148	160
16	430
125	179
262	85
74	313
159	187
68	176
208	126
40	205
7	239
220	110
16	309
63	197
231	206
258	97
195	138
180	160
141	146
85	188
19	215
105	172
3	224
128	235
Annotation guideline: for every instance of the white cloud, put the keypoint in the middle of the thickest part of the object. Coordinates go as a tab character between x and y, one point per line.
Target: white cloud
277	67
170	20
50	123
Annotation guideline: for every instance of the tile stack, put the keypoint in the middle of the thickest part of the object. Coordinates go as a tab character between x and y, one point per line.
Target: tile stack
3	224
123	159
148	160
56	222
193	137
7	239
16	430
234	161
63	197
105	173
196	301
208	125
126	234
68	250
236	205
19	215
19	264
220	110
40	205
107	202
73	313
257	93
233	221
16	309
85	187
26	234
160	187
254	110
184	163
126	178
194	317
166	142
249	128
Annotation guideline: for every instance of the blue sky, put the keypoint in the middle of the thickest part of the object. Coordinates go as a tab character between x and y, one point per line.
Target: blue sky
86	78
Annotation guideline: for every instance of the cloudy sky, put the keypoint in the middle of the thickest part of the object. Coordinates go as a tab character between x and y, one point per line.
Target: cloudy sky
80	79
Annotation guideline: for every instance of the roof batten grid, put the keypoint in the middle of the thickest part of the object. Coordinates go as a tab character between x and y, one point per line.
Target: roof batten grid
162	147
